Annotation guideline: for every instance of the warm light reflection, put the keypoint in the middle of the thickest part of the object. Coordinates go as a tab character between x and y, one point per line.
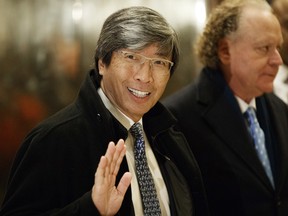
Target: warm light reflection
77	11
200	13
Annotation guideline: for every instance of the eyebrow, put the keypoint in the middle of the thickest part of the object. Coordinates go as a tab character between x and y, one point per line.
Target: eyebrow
158	53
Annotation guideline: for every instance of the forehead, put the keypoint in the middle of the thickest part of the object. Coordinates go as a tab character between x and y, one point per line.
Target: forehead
259	24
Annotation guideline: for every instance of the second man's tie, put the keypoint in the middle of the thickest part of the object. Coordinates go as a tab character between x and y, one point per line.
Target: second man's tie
259	141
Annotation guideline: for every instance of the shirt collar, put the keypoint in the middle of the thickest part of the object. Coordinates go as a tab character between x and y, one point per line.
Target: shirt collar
243	105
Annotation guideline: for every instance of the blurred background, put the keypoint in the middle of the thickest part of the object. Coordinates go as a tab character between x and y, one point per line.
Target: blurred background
47	46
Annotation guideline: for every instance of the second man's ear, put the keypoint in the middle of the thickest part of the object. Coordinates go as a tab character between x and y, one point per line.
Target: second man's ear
223	51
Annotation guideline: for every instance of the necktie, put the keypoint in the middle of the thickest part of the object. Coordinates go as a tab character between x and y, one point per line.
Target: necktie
259	141
148	193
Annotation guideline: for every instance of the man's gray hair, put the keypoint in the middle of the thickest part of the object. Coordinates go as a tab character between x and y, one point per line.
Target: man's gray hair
136	28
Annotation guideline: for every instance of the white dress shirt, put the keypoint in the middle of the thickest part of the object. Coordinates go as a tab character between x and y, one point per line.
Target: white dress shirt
244	106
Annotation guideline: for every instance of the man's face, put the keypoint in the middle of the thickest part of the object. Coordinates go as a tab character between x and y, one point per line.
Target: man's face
132	87
254	54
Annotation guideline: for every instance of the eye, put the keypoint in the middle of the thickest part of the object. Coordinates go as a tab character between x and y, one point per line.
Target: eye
131	56
264	49
160	62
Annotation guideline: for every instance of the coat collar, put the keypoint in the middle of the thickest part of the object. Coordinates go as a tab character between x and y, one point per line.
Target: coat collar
93	108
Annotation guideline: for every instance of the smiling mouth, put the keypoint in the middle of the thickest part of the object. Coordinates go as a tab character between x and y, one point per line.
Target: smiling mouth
138	93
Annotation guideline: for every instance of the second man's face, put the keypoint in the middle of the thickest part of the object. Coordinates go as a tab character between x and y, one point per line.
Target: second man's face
254	54
132	87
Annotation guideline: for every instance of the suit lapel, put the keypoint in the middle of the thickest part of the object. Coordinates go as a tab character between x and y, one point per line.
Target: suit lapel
223	115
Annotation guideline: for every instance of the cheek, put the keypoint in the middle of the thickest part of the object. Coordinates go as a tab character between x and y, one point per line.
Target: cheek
162	83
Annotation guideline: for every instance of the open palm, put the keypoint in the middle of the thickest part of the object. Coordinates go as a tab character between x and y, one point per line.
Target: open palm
105	195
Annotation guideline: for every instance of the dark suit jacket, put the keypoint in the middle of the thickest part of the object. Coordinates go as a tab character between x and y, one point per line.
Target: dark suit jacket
211	120
53	172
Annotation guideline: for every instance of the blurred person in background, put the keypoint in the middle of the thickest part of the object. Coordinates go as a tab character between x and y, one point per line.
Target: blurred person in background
281	81
244	162
82	160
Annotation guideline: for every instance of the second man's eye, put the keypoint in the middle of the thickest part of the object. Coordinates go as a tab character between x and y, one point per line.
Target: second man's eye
263	49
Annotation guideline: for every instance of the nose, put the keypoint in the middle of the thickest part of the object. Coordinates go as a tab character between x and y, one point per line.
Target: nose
144	72
276	58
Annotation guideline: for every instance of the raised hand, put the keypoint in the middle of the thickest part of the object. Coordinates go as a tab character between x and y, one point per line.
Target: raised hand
105	195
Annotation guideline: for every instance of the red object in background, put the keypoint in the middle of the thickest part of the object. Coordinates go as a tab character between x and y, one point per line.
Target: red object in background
16	119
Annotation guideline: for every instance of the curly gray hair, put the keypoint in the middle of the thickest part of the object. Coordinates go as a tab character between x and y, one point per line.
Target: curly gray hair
222	22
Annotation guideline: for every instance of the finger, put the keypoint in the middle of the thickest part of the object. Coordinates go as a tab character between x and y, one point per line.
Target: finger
101	169
109	155
117	155
110	151
121	154
124	183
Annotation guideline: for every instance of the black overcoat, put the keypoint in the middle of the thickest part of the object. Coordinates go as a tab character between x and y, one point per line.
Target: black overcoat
53	172
235	181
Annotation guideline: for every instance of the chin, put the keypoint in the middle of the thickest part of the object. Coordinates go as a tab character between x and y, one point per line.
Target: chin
268	90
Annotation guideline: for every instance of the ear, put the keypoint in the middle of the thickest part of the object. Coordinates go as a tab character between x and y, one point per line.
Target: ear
101	67
223	51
